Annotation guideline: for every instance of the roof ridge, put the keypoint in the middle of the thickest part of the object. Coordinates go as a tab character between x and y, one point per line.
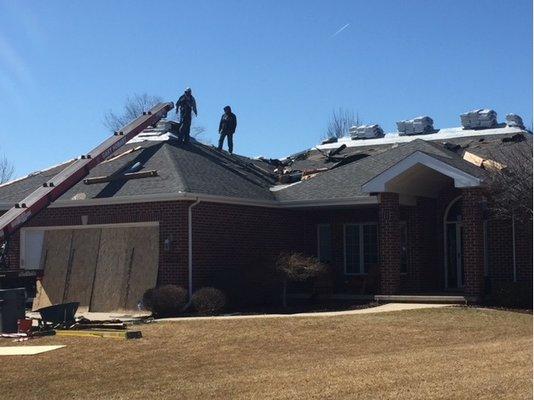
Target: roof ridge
179	176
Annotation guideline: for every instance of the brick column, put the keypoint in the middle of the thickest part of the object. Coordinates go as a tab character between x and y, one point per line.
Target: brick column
389	242
473	242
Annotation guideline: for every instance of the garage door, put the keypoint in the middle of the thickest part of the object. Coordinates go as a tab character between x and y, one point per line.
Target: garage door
105	268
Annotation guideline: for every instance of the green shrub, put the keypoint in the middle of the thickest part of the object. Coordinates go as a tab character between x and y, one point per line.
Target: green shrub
209	301
167	300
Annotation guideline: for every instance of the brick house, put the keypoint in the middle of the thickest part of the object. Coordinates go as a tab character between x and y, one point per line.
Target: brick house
391	215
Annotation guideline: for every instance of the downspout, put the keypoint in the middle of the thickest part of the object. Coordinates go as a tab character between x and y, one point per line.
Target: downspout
190	247
513	248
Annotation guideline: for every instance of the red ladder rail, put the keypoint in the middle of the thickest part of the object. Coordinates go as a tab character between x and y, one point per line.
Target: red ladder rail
51	190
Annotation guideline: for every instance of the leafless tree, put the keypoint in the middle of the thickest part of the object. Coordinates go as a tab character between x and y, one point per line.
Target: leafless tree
298	267
510	181
134	107
340	122
6	169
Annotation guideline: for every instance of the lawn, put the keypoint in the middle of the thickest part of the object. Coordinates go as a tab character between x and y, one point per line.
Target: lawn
450	353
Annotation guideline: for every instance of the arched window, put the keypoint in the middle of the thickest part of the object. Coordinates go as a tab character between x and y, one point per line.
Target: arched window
454	212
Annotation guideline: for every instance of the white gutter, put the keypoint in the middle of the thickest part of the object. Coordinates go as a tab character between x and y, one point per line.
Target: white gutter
190	248
182	196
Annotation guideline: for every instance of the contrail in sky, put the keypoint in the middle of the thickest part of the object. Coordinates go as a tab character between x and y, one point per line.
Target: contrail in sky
340	30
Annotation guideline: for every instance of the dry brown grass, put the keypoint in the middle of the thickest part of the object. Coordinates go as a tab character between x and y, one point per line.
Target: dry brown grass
456	353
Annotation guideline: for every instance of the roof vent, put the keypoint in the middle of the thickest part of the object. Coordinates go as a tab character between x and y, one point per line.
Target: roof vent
417	126
515	121
479	119
366	132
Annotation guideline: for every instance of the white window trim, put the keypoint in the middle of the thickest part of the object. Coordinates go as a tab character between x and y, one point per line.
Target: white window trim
362	256
22	237
319	240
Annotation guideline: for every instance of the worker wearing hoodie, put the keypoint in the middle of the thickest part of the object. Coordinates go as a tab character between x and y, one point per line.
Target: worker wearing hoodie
227	128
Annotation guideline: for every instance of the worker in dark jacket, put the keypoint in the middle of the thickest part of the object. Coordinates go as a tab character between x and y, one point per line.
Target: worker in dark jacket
227	128
185	105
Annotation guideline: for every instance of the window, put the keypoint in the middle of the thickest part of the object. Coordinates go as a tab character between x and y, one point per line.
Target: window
361	248
31	245
324	243
404	247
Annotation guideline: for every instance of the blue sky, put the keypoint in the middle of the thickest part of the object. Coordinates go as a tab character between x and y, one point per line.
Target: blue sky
279	64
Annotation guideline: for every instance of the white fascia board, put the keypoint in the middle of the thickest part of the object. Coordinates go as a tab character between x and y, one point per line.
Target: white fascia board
461	179
360	200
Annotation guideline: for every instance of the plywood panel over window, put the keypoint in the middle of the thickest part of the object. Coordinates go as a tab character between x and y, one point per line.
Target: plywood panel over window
103	268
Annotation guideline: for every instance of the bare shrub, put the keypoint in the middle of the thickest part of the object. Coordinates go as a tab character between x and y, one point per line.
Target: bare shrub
297	267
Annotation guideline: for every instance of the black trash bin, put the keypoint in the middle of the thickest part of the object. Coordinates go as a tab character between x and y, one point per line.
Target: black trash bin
12	308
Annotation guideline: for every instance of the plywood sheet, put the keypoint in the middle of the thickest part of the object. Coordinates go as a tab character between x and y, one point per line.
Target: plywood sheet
142	271
55	259
26	350
41	298
111	267
84	255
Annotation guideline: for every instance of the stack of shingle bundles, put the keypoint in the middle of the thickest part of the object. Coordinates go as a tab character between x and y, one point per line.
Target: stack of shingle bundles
479	119
366	132
515	121
416	126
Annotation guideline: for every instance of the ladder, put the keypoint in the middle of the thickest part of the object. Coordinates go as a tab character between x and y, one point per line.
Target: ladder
51	190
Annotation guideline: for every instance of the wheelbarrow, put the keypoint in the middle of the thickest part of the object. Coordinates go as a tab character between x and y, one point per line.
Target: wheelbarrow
59	315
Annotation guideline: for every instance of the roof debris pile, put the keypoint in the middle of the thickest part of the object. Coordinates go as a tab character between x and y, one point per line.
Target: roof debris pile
366	132
479	119
416	126
515	121
154	164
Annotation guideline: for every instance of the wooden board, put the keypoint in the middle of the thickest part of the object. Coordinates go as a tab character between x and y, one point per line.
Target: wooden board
84	254
110	270
142	266
104	270
55	259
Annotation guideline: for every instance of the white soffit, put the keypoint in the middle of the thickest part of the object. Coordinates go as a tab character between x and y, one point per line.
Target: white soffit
461	179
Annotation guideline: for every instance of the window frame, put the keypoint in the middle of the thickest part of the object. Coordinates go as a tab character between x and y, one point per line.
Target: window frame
404	225
319	226
361	247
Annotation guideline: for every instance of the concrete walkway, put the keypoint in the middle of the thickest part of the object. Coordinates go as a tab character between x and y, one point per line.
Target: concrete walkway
389	307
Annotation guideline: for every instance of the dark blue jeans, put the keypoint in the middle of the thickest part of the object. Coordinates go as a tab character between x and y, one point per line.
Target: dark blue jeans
183	133
230	137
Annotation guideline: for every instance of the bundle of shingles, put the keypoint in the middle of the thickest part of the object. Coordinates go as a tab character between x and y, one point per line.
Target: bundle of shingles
514	120
416	126
479	119
366	132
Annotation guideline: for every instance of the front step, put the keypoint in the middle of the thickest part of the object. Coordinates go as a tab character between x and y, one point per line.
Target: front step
398	298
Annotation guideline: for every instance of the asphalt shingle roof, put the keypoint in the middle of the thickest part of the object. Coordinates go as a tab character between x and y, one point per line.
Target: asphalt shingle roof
201	169
196	168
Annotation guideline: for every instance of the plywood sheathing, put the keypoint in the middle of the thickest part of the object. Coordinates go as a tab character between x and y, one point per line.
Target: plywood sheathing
104	270
84	254
55	258
110	270
143	264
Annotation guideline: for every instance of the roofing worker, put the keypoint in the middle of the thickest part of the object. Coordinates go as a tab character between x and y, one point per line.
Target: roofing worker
185	105
227	128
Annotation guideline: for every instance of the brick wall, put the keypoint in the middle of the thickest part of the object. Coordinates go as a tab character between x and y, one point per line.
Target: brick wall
172	218
389	242
473	237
